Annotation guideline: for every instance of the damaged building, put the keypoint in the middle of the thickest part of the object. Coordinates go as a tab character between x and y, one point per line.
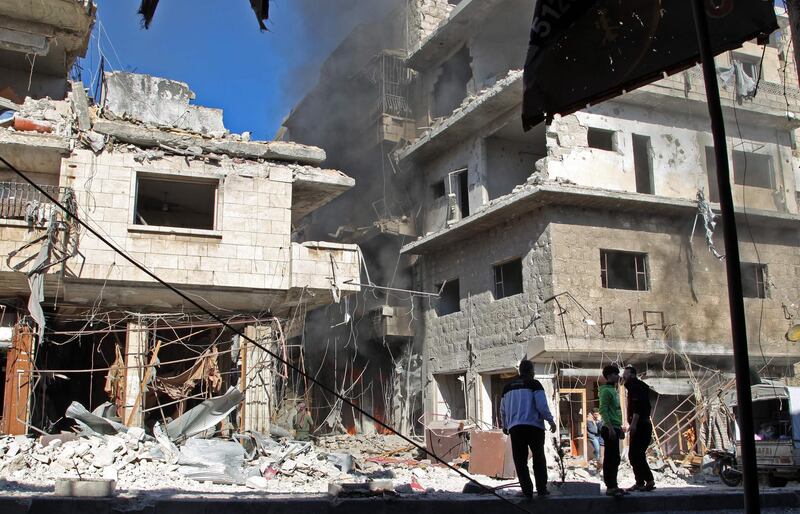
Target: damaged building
162	180
585	241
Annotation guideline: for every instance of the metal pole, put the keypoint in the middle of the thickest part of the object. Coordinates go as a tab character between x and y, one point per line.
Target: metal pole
732	264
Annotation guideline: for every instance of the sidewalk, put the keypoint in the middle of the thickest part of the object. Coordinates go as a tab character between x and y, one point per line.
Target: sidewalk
170	503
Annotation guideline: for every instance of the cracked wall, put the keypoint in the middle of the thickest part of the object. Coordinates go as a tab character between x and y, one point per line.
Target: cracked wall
678	154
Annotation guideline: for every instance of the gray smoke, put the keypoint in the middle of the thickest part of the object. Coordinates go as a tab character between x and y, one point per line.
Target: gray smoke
323	25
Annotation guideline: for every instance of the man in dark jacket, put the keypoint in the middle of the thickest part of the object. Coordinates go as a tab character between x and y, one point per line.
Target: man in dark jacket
640	429
523	411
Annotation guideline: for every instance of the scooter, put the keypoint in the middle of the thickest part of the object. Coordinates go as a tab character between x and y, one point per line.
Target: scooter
725	467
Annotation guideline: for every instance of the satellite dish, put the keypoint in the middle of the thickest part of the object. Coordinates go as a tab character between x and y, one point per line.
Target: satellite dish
793	334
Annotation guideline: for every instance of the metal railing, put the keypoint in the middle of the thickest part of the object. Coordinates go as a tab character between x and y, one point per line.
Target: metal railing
20	201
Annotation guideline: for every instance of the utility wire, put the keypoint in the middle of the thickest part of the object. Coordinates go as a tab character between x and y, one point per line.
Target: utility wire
241	334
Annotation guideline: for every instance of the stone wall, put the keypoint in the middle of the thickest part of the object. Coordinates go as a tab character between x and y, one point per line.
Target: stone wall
487	334
423	18
249	247
691	293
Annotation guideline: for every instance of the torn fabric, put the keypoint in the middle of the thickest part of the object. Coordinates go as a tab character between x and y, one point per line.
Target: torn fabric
203	416
735	77
115	379
709	222
205	368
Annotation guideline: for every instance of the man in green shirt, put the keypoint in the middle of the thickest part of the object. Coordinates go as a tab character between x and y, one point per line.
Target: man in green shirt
612	429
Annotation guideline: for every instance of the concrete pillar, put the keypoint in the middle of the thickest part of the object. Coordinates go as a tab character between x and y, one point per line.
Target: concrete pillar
257	382
135	361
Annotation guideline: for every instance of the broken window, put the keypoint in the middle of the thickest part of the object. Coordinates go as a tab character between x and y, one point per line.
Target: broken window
449	298
460	186
168	202
601	139
451	397
457	188
711	173
438	189
453	84
643	164
508	279
753	170
754	280
750	66
624	270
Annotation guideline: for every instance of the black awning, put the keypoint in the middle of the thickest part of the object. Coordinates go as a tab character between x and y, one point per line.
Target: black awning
583	52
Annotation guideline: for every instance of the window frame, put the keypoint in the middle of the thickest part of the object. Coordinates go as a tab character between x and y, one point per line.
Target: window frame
761	280
498	268
641	270
747	155
440	288
216	215
611	135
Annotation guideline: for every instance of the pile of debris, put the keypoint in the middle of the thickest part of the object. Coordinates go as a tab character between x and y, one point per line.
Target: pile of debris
187	454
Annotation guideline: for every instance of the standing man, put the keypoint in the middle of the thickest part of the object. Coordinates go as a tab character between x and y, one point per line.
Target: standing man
593	426
640	429
611	430
523	411
303	423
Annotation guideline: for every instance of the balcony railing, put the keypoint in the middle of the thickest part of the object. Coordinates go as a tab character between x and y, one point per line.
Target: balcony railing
19	201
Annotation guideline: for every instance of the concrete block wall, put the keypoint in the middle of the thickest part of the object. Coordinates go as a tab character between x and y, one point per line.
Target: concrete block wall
674	279
483	335
319	265
248	248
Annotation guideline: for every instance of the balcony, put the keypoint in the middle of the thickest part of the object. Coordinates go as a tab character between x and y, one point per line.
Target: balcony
20	201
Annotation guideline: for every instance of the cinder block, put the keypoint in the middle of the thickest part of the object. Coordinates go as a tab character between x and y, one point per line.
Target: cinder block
85	488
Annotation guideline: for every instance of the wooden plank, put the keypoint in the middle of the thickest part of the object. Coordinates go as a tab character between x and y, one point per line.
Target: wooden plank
19	366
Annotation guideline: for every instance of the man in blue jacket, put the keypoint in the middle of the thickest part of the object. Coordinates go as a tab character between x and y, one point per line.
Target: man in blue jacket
523	411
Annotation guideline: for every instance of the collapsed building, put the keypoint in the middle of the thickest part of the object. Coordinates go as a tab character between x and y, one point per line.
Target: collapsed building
162	180
586	241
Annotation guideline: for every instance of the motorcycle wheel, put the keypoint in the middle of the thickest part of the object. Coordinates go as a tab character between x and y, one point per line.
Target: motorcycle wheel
730	477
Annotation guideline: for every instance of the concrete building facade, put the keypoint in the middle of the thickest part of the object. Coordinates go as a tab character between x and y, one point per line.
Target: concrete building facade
591	239
163	181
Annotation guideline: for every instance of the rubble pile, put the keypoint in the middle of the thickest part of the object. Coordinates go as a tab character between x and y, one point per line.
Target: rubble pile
252	463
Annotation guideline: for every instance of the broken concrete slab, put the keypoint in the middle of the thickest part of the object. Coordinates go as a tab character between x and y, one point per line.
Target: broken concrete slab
80	106
29	151
373	488
158	101
154	138
314	187
476	112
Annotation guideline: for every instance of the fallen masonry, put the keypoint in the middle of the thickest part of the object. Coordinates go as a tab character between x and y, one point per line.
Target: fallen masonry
152	465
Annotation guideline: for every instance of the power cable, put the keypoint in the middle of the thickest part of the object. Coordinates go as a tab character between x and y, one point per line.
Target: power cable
241	334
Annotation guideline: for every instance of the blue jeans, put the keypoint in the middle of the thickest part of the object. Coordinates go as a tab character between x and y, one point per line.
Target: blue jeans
595	442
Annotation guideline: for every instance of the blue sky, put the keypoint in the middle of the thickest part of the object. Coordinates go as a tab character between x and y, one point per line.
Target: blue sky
255	77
